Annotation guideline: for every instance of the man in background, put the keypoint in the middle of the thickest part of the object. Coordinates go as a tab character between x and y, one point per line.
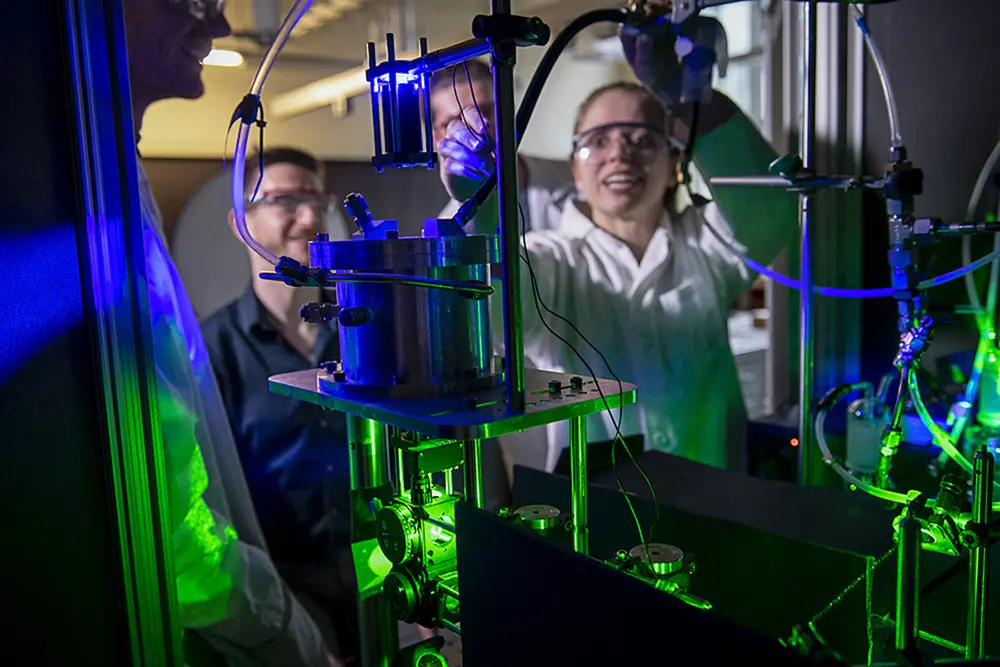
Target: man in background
227	588
293	453
544	186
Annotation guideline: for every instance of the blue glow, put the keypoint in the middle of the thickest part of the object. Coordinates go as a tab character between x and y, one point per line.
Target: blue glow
109	284
42	297
401	77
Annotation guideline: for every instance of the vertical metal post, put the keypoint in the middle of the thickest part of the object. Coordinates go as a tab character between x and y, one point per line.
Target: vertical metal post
806	341
370	469
391	96
425	93
373	86
369	453
474	473
908	584
979	556
506	152
400	472
578	482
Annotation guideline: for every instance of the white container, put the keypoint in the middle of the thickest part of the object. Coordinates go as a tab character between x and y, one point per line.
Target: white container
866	420
989	393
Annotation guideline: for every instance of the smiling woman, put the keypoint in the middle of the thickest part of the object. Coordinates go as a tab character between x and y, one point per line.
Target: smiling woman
622	163
638	276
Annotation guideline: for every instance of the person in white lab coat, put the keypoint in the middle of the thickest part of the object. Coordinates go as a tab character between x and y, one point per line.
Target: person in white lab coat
638	270
544	186
227	588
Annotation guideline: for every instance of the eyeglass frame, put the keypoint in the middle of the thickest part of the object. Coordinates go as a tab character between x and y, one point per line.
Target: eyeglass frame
268	199
672	143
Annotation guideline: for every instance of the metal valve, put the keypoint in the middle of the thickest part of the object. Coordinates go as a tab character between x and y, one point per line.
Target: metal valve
315	313
357	208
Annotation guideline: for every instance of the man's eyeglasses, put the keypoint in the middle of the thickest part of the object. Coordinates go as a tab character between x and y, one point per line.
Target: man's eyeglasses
203	10
291	202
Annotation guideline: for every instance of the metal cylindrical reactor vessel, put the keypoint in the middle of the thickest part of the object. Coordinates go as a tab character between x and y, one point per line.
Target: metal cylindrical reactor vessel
398	339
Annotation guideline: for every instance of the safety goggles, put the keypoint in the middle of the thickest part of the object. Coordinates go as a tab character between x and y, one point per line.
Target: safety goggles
291	203
642	142
203	10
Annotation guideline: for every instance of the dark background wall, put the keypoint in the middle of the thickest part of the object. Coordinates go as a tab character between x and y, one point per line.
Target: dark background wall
413	193
60	562
944	66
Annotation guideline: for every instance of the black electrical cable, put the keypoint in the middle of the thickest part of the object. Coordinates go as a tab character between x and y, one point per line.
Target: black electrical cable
540	305
688	155
538	79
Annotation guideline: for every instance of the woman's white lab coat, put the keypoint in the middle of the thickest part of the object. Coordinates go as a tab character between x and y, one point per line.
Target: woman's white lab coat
662	322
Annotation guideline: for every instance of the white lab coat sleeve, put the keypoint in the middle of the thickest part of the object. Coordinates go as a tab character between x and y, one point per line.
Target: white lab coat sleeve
759	222
227	587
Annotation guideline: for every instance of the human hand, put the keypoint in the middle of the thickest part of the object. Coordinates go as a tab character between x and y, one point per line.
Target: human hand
675	62
334	662
466	155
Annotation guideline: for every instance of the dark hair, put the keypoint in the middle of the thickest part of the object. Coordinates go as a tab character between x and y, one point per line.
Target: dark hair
478	71
273	156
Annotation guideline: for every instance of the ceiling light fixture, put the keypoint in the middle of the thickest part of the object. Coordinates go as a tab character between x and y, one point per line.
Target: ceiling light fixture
223	58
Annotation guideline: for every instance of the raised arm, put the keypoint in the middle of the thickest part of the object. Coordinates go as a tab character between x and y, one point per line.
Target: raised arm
727	143
762	220
466	161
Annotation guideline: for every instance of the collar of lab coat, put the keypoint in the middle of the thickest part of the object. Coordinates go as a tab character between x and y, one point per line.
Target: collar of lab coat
576	222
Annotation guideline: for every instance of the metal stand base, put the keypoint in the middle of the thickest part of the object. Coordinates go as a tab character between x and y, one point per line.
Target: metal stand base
550	397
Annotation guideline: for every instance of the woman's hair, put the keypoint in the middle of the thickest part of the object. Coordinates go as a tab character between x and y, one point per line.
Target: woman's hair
656	116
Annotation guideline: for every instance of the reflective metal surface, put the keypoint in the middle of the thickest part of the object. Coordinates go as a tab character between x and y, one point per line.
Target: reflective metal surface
415	341
479	414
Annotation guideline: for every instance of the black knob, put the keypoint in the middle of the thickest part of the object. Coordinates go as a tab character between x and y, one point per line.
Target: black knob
357	208
314	313
355	316
555	386
576	382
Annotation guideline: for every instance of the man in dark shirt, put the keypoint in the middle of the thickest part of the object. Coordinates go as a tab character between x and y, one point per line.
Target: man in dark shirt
293	453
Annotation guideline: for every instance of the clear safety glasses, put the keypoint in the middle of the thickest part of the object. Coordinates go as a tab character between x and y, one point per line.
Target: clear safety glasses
291	203
642	143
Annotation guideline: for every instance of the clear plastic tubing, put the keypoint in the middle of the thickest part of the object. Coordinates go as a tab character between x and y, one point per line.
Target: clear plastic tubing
240	155
971	210
897	141
846	474
846	293
883	76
